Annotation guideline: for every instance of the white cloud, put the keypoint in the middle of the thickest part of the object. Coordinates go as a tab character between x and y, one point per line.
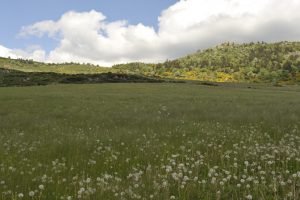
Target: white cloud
5	52
40	28
184	27
32	52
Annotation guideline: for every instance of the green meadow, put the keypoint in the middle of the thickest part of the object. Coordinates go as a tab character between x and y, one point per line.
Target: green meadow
150	141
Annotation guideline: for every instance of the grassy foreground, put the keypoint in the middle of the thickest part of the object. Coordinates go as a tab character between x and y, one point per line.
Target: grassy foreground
149	141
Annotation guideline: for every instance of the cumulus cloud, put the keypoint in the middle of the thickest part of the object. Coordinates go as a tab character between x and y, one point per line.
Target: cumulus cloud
184	27
32	52
5	52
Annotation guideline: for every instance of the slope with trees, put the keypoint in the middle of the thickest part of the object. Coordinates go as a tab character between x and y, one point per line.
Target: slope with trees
228	62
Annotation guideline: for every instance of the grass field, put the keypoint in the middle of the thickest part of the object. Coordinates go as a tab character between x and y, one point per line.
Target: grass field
149	141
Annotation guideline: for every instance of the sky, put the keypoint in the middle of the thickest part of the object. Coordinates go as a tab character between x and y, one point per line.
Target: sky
109	32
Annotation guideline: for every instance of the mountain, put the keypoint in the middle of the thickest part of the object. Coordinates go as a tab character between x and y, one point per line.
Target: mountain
228	62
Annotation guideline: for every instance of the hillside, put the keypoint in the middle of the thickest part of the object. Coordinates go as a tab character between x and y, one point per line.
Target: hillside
66	68
228	62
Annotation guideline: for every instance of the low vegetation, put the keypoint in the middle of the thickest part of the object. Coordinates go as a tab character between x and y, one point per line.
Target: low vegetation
198	140
10	77
150	141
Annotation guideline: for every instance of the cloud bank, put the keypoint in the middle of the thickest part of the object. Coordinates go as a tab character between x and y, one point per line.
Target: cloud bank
184	27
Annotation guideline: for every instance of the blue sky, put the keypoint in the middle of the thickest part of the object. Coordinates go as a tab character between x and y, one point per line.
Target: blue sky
108	32
17	13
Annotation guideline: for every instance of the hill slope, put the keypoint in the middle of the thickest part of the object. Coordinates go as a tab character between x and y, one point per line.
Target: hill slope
253	62
229	62
67	68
